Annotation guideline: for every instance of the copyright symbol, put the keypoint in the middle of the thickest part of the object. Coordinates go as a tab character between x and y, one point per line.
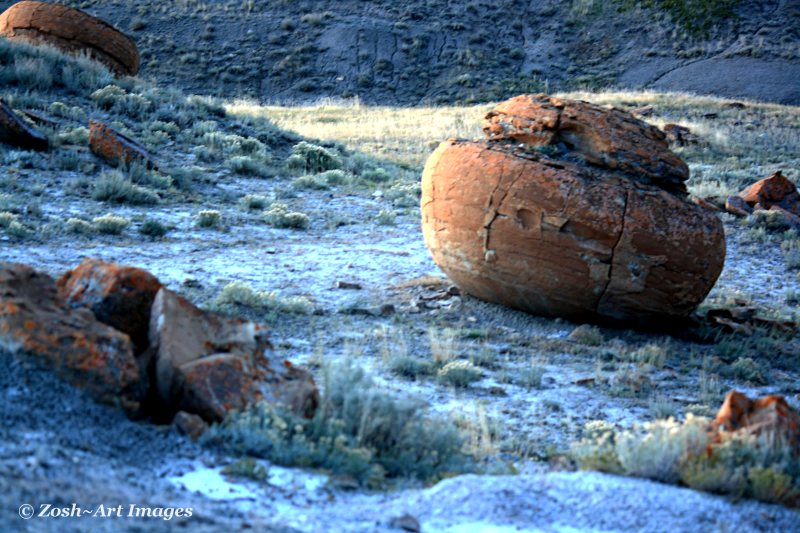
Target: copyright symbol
26	511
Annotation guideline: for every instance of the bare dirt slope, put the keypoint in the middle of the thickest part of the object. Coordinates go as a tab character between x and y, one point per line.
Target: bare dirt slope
437	51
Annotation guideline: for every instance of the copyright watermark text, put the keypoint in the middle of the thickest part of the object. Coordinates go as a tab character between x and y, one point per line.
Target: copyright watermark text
131	510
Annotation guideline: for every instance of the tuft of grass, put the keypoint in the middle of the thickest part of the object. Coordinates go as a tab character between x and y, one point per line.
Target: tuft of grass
153	228
110	224
241	294
410	367
587	335
312	159
254	201
279	216
209	218
79	226
358	430
113	186
247	165
459	374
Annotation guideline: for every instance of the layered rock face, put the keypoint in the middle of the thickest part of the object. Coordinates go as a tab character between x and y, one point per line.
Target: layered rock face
572	210
72	31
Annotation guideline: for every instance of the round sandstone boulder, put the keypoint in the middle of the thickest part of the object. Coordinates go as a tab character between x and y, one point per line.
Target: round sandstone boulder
72	31
570	210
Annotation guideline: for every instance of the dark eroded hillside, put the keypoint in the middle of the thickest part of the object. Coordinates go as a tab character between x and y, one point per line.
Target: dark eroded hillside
437	51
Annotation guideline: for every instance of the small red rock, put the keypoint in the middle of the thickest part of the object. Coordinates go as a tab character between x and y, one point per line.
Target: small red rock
116	148
189	424
736	205
771	416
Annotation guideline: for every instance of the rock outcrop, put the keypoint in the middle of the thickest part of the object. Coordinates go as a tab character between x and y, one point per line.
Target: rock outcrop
14	131
72	31
116	148
573	210
36	325
181	359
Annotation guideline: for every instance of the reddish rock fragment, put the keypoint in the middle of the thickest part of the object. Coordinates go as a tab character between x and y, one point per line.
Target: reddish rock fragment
120	296
14	131
770	416
679	135
35	324
208	364
116	148
72	31
189	424
776	190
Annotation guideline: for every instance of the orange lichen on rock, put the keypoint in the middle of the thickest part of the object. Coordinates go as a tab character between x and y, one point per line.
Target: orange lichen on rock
120	296
116	148
72	31
35	324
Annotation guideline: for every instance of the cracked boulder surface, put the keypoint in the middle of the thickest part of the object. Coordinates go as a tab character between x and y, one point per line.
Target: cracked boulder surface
72	31
570	210
37	327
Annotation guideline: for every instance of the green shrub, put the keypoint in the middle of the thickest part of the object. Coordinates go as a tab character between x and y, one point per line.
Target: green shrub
7	218
587	335
312	159
747	369
410	367
153	228
240	294
279	216
209	219
358	430
310	182
386	217
247	165
459	374
376	175
110	224
114	187
78	226
665	450
254	201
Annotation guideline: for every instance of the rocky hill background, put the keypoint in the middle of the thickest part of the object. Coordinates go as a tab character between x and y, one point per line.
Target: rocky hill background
446	51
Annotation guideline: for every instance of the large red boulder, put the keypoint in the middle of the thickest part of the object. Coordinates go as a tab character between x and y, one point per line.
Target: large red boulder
72	31
773	191
208	364
36	325
570	209
120	296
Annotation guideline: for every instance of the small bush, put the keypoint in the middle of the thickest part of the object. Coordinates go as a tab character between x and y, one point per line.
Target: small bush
110	224
376	175
240	294
153	228
358	430
587	335
254	201
747	369
78	226
335	177
410	367
312	159
209	219
247	165
310	182
279	216
114	187
459	374
7	218
386	217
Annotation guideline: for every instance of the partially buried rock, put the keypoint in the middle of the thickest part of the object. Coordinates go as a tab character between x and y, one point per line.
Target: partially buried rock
71	31
14	131
36	325
208	364
573	210
116	148
120	296
770	417
775	190
188	424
